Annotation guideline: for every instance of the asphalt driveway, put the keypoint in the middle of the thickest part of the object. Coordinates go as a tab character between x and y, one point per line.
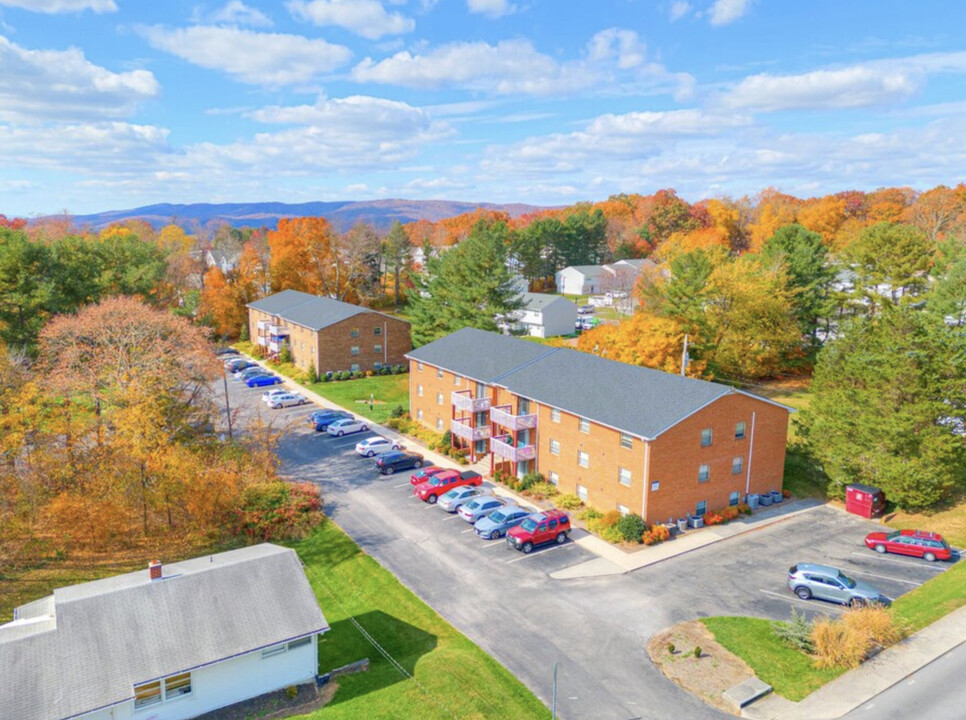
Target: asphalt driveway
595	628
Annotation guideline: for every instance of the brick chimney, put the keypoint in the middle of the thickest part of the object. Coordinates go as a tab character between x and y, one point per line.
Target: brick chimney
154	569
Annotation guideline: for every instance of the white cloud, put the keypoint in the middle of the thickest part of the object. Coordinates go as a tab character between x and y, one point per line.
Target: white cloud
367	18
723	12
679	9
43	85
251	57
238	13
490	8
50	7
613	58
858	86
105	148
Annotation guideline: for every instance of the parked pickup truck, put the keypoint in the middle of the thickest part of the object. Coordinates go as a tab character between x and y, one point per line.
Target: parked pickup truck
430	490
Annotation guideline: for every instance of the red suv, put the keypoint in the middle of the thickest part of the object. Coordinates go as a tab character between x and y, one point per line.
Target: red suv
540	528
917	543
430	490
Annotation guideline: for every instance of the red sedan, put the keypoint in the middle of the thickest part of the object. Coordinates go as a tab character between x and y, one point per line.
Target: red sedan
917	543
430	490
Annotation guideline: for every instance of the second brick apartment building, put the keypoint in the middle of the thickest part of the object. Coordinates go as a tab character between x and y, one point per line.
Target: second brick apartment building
619	436
327	334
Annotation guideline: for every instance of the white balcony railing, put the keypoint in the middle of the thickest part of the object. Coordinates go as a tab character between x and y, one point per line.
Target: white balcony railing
261	340
500	447
277	330
263	324
467	432
462	401
510	421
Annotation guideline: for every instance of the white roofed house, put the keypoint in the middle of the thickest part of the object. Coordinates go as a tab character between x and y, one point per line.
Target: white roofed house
166	643
226	262
544	315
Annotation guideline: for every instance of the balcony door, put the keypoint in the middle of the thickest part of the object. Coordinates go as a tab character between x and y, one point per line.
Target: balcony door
480	391
523	406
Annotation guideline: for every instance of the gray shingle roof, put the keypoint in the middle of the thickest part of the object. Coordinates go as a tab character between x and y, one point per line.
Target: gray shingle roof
538	301
631	398
478	354
588	270
108	635
311	311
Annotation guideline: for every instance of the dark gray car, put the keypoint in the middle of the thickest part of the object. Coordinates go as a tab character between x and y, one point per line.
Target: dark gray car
828	583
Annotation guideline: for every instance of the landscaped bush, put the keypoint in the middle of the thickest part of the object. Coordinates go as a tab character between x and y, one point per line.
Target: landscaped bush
397	412
632	527
610	518
656	534
567	501
848	640
590	513
447	438
531	479
356	374
744	508
796	633
605	525
542	490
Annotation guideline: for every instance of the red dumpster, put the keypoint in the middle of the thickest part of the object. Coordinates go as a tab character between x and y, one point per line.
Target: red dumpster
864	500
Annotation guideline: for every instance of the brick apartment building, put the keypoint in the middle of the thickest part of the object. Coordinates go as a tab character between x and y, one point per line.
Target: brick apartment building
619	436
327	333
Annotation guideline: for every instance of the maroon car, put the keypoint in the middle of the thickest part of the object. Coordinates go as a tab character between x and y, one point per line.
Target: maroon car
540	528
917	543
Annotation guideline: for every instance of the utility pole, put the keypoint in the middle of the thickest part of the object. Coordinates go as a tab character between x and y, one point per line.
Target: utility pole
553	707
684	356
224	380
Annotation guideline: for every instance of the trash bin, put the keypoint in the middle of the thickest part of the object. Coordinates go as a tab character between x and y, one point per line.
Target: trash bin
776	496
682	524
752	500
865	500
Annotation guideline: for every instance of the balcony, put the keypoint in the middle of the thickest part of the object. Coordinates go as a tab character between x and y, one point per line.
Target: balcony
261	340
462	429
263	324
277	330
462	401
502	416
500	446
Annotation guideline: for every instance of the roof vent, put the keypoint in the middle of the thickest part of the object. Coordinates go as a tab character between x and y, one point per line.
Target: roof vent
154	569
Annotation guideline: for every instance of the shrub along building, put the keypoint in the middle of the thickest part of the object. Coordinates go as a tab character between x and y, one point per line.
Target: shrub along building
326	333
619	436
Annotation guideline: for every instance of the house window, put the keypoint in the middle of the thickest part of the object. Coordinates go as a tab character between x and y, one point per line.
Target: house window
739	430
736	464
377	331
734	498
419	366
273	651
701	508
706	437
419	390
704	473
354	350
301	642
439	398
655	486
553	478
583	459
554	447
439	423
354	367
554	415
584	426
457	380
627	441
439	373
377	348
354	333
419	414
623	510
177	685
147	694
624	477
582	493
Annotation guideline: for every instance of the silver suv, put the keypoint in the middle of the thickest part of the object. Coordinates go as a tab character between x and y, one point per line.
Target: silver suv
828	583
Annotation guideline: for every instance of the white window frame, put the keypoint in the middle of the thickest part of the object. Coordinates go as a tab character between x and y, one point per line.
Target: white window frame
704	473
583	425
623	510
274	650
744	428
710	435
377	348
439	373
734	498
583	459
439	398
419	414
582	493
554	415
354	350
655	486
737	464
627	441
554	447
419	390
419	366
164	695
622	475
553	478
439	423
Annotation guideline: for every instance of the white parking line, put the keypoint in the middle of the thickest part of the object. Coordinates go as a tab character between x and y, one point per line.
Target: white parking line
402	485
454	516
925	565
809	603
886	577
541	552
466	531
494	543
429	507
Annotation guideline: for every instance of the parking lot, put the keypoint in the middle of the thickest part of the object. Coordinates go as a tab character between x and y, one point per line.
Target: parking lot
596	628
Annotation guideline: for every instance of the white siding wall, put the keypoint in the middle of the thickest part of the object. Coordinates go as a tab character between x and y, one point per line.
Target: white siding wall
559	318
225	683
573	282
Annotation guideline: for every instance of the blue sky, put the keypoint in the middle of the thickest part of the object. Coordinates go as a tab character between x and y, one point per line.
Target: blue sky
109	104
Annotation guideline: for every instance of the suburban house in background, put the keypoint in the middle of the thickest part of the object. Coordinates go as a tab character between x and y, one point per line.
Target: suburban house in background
618	276
327	334
166	643
544	315
618	436
226	262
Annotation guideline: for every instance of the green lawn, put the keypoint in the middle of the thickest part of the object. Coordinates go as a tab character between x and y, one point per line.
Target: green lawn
789	672
453	676
933	599
387	391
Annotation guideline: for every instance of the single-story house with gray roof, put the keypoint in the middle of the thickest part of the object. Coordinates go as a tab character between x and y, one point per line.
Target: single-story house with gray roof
619	436
167	643
327	334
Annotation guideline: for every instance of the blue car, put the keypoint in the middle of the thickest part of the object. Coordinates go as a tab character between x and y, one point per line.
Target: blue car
321	419
262	380
495	525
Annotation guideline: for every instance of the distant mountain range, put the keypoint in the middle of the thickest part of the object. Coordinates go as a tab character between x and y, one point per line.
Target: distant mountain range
342	215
